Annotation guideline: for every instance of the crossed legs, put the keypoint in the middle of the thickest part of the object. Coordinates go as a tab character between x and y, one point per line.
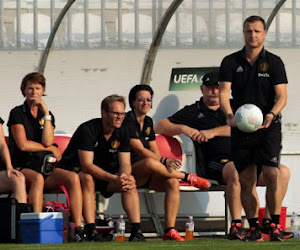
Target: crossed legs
160	179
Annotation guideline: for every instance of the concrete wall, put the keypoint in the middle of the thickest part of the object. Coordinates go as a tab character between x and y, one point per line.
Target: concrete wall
77	81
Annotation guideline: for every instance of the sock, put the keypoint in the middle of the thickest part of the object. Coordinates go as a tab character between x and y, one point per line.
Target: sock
236	221
275	218
135	227
253	222
185	176
168	229
266	222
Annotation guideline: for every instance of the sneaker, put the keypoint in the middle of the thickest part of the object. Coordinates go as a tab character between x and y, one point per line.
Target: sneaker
172	235
94	236
276	233
79	235
267	230
137	237
235	232
287	235
253	234
198	182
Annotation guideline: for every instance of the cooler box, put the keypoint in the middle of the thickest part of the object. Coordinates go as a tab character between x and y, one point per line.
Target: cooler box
43	228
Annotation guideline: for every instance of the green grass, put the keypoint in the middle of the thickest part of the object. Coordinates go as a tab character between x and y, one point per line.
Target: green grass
203	243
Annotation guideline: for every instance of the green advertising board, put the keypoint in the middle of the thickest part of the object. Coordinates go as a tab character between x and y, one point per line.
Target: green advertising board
188	78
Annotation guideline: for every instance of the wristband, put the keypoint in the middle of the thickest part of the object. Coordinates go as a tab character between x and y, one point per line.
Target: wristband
274	116
47	117
165	161
161	159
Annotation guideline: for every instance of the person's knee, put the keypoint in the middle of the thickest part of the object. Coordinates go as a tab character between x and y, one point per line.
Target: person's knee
17	180
72	179
285	173
230	175
150	163
172	184
37	180
130	192
87	182
271	175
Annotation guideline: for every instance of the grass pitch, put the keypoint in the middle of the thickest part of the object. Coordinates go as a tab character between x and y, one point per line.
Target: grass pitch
203	243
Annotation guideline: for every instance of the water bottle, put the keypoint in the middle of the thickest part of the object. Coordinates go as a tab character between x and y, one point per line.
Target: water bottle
295	225
189	229
120	229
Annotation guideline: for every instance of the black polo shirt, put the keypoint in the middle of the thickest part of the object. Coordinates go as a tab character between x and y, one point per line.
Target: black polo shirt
89	137
33	129
1	162
253	84
200	117
146	134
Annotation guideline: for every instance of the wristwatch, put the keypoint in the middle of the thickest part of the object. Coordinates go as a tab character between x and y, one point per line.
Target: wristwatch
47	117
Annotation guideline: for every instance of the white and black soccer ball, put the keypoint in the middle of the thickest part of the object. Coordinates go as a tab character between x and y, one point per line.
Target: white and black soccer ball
248	118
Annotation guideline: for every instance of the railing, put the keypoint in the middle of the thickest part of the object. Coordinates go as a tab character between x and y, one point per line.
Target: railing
26	24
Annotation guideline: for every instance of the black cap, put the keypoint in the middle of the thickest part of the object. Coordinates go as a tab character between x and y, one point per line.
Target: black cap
210	79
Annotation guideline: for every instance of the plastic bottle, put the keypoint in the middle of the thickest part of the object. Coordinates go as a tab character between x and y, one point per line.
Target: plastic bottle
189	229
295	225
120	229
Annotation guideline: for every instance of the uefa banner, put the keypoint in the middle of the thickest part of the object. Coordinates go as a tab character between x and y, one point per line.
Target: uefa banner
188	78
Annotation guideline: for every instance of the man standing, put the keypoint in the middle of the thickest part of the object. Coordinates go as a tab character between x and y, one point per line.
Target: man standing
254	75
99	152
205	123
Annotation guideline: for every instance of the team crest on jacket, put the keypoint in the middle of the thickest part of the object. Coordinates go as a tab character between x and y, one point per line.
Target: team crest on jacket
148	130
264	67
115	144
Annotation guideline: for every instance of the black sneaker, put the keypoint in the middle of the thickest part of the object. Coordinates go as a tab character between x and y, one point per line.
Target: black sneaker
134	237
79	235
94	236
253	234
235	232
267	230
287	235
276	234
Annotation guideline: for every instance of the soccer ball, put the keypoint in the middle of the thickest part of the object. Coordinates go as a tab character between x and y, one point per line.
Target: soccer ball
248	118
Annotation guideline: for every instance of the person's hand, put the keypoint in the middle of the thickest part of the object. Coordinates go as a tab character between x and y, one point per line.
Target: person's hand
127	182
12	171
56	152
267	121
188	131
173	164
39	102
203	135
230	120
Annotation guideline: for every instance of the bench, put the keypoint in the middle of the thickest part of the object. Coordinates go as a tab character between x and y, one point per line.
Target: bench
170	147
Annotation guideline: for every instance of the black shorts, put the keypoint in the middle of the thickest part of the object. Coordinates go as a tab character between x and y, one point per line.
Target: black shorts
214	170
68	167
260	148
101	186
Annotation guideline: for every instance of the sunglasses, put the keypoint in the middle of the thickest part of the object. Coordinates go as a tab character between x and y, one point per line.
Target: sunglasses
144	99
